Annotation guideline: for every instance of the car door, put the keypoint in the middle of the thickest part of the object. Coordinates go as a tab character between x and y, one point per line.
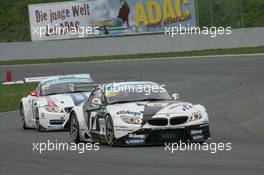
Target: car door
31	100
34	103
94	109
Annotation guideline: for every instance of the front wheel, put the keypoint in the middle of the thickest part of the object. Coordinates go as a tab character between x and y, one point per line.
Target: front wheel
38	125
22	115
74	129
110	131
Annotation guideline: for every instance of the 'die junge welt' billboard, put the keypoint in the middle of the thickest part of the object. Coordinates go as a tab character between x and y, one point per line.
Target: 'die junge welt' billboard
109	17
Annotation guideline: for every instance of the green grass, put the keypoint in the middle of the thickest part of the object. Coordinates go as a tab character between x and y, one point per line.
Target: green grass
10	95
14	20
246	50
228	13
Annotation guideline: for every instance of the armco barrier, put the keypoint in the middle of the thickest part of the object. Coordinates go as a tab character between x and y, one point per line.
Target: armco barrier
248	37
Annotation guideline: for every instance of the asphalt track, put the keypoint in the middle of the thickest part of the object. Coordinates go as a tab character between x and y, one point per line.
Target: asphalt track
231	88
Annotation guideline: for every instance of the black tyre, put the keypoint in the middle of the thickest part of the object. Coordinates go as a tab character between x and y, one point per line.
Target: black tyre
110	139
39	127
22	115
74	129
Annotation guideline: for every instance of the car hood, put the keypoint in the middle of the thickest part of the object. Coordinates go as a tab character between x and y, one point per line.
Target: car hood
65	100
149	109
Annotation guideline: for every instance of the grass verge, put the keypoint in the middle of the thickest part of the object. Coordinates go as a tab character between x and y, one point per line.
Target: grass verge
245	50
10	95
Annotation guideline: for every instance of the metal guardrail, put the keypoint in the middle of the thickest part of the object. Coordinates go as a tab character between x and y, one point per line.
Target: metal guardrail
247	37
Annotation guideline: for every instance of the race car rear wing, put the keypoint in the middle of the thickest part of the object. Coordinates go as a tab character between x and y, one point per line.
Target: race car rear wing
39	79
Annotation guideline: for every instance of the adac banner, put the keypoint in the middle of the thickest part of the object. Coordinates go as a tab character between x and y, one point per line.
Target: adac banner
93	18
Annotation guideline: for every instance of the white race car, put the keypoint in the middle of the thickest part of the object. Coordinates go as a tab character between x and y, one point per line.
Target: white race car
137	113
49	106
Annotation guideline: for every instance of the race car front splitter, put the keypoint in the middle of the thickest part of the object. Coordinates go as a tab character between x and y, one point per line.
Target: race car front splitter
195	133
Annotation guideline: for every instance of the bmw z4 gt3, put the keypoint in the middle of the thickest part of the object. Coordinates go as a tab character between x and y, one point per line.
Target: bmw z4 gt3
137	113
49	106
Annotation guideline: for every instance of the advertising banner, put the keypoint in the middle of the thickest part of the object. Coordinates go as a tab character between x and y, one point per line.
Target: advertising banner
79	19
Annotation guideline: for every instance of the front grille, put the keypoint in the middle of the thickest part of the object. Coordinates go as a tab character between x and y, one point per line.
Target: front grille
162	136
158	121
57	122
178	120
68	109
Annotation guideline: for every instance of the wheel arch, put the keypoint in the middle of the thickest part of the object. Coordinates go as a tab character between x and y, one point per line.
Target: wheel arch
78	113
20	107
70	116
25	110
22	104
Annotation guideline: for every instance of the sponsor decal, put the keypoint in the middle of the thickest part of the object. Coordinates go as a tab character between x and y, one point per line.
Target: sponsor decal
120	127
128	113
197	137
78	19
55	127
135	141
157	105
197	134
66	80
193	132
134	136
111	94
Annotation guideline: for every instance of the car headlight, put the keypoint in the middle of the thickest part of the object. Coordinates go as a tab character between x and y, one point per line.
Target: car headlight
196	116
55	109
131	119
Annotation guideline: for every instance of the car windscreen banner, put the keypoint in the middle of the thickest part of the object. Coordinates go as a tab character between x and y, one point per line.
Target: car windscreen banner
82	19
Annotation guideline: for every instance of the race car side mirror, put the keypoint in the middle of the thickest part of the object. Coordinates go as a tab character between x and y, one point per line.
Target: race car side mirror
175	96
34	94
97	102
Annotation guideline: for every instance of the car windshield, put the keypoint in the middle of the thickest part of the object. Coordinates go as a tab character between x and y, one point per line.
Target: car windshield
64	87
136	92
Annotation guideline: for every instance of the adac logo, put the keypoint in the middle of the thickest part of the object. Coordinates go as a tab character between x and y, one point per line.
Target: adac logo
167	11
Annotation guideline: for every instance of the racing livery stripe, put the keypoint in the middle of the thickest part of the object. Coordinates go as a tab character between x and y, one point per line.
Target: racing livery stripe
152	108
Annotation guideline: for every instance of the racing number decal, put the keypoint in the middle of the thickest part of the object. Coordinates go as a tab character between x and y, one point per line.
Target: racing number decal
92	120
186	107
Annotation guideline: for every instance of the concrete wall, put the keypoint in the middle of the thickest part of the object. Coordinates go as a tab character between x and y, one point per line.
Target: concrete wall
129	45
